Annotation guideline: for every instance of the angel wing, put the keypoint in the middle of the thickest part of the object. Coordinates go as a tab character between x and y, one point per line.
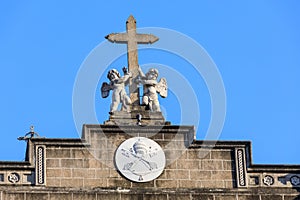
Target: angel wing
105	89
162	87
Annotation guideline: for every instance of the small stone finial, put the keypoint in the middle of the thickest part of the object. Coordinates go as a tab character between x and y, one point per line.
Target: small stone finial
131	19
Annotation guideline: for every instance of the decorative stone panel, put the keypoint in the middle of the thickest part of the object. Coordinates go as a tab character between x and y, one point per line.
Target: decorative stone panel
241	167
274	179
40	163
16	177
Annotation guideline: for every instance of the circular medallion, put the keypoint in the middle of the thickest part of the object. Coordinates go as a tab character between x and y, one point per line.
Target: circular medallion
295	180
140	159
268	180
14	177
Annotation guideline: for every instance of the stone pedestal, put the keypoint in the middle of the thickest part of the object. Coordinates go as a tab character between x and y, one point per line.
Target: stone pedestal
131	118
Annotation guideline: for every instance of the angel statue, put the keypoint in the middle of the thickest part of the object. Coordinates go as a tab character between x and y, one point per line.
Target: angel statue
117	85
152	87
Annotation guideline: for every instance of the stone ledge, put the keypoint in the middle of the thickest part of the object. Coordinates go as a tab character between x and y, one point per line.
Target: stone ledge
216	144
216	191
274	168
138	129
7	165
63	142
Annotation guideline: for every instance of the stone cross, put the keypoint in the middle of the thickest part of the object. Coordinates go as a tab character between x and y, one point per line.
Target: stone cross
132	39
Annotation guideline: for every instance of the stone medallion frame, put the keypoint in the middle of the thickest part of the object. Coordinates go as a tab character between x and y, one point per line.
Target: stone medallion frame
140	159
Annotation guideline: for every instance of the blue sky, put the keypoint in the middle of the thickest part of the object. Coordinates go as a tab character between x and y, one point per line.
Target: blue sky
254	44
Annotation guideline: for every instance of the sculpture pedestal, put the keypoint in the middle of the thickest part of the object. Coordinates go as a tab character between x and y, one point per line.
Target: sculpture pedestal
130	118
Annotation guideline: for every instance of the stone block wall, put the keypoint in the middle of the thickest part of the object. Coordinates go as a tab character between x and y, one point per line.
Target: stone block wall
84	169
77	167
92	165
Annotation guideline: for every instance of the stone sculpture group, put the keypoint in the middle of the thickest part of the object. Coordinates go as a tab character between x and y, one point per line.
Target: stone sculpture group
135	76
119	96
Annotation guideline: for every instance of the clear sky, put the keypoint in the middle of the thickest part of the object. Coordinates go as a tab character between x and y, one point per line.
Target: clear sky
255	46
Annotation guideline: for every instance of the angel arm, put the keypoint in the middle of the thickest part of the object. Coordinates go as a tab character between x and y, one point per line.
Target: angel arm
141	73
148	82
124	78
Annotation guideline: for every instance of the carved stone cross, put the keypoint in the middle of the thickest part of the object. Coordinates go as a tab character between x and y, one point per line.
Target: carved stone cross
132	39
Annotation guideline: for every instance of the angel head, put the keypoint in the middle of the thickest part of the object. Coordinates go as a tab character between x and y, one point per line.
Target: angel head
152	74
113	74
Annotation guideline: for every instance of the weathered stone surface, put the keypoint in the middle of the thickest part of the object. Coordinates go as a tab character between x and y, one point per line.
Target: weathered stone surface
84	196
71	163
105	173
196	154
180	196
150	184
166	183
188	164
60	196
200	175
271	197
222	155
221	175
53	182
226	197
177	174
188	184
229	165
53	172
212	184
53	162
108	196
248	197
209	165
13	196
72	182
292	197
58	153
155	197
37	196
203	197
132	197
92	183
118	182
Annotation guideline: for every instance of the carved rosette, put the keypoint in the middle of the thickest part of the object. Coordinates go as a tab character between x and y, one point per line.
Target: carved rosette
268	180
295	180
13	177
